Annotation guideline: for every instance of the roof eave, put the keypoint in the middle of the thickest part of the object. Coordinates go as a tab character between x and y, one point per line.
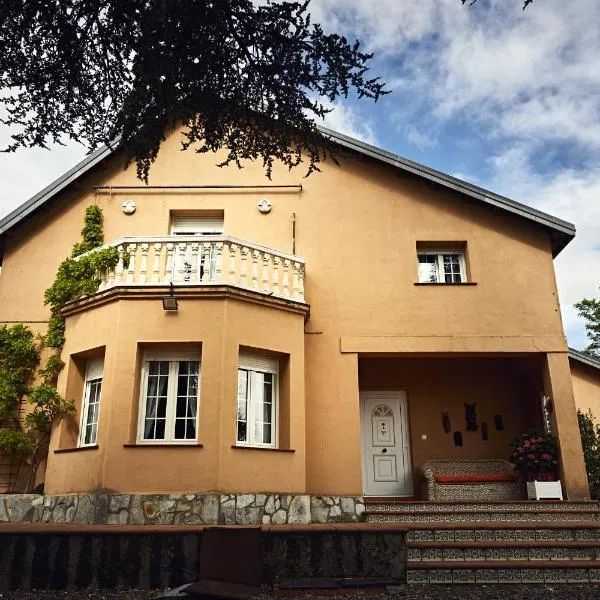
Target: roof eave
584	359
35	202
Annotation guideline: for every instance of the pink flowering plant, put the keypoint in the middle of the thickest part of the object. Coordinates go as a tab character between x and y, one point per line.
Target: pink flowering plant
535	456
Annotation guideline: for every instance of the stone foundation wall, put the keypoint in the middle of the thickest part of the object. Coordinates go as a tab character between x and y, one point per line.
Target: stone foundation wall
192	509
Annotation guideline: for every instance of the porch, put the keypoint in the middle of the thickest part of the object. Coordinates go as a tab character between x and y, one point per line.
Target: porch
459	408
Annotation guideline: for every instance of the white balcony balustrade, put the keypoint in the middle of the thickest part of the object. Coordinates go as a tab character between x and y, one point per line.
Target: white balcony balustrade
204	260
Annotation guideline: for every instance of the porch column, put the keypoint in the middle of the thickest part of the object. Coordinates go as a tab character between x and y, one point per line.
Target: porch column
557	385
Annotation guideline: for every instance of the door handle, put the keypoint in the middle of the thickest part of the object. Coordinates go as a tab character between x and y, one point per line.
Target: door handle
384	451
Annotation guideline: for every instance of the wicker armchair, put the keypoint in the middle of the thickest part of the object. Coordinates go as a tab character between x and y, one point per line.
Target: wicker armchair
447	480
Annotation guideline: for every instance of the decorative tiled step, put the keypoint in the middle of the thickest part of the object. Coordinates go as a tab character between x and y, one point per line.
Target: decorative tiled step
504	572
495	532
493	551
393	506
398	516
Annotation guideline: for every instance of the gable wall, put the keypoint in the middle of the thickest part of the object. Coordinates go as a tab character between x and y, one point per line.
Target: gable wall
357	227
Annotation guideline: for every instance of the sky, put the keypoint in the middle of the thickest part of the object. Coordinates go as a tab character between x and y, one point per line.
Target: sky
504	98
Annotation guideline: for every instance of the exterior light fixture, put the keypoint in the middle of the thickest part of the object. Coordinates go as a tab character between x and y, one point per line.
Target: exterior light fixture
170	302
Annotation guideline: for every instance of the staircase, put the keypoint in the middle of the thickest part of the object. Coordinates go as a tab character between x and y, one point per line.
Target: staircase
497	542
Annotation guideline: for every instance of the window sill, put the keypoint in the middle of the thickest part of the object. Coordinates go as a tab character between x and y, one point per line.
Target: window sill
446	284
289	450
163	445
78	449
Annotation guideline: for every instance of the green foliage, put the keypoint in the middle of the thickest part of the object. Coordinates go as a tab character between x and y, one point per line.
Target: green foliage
17	441
92	232
589	310
53	367
77	276
535	455
253	78
19	356
590	441
55	337
48	406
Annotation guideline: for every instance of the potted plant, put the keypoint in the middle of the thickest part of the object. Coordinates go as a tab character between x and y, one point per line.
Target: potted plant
535	458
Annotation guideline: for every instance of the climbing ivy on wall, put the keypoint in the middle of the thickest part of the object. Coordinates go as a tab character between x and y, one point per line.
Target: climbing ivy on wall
77	275
20	352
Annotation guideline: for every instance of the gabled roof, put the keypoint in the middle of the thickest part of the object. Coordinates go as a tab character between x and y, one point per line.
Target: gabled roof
561	232
584	359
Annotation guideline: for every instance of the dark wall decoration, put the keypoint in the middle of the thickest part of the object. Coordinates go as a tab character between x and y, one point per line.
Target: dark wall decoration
499	423
446	422
458	439
484	432
471	417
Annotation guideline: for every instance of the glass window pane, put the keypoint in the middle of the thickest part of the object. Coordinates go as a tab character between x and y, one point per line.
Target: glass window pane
267	433
241	431
190	433
179	429
428	268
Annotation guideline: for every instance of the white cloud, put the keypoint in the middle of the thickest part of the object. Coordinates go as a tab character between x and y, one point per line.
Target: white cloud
347	120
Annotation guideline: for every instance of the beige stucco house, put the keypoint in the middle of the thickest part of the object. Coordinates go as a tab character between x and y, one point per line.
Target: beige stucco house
315	336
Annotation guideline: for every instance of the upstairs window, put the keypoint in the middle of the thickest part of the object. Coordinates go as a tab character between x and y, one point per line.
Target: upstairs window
90	410
170	397
441	266
257	397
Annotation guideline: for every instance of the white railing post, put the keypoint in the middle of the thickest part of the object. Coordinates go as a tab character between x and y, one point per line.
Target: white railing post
180	262
276	261
295	281
119	270
144	264
301	283
131	251
156	262
219	263
169	263
265	274
286	278
244	267
255	255
195	277
232	265
206	263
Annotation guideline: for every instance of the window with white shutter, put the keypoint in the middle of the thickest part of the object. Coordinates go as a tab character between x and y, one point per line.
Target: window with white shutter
90	410
257	397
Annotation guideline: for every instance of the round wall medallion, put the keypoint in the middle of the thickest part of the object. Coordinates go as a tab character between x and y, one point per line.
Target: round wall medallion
264	206
128	207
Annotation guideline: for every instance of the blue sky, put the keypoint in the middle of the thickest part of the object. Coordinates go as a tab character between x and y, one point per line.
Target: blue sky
504	98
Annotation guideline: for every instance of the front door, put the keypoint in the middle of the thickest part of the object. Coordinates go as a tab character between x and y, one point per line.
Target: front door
385	444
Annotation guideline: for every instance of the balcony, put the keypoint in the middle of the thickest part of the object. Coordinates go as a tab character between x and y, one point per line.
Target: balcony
204	261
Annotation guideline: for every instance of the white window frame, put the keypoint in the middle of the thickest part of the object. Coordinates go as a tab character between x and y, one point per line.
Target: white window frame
94	373
174	357
199	226
439	254
255	363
